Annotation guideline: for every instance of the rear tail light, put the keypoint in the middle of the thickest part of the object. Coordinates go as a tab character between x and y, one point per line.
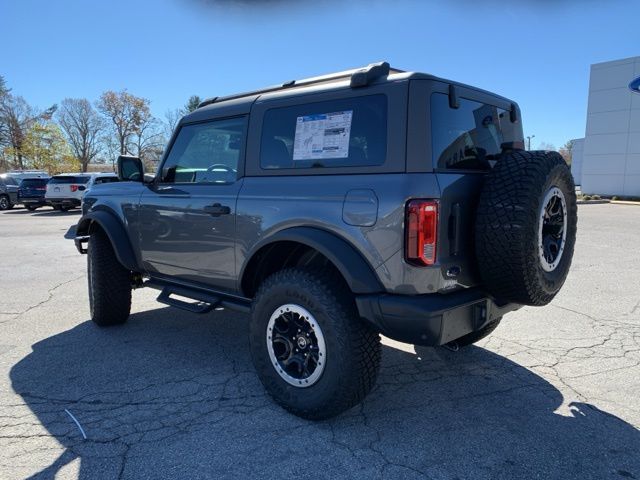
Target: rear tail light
421	232
74	188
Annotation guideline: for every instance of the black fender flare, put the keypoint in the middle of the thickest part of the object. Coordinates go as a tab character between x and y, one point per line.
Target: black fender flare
116	232
356	271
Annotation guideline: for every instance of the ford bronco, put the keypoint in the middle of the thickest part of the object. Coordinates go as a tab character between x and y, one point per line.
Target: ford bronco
334	209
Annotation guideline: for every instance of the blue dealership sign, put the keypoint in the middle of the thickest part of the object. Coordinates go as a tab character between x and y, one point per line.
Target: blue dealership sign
634	86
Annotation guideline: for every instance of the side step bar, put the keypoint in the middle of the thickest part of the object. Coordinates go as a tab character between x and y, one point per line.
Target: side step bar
204	301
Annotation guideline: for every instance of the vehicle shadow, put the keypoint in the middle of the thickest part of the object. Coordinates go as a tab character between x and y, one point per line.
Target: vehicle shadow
49	212
174	395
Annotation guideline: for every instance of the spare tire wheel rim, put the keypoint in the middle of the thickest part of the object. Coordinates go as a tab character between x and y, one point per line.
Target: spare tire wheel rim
552	229
296	345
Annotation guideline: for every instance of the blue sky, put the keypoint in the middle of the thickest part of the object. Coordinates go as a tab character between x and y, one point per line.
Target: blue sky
536	52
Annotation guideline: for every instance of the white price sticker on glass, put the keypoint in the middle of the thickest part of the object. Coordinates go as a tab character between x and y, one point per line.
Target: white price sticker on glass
324	135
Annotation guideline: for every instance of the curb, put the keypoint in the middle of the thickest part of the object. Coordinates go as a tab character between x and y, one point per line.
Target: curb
592	202
625	202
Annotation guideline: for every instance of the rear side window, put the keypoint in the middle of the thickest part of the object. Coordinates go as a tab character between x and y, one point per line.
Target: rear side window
469	137
70	179
100	180
9	181
339	133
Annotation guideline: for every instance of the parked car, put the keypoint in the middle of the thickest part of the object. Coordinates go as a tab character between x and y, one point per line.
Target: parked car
333	209
100	178
8	192
65	191
31	192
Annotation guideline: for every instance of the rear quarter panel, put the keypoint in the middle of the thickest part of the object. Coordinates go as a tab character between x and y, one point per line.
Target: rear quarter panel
267	205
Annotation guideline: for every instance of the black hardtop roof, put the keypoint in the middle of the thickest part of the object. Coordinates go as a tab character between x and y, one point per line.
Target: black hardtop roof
358	77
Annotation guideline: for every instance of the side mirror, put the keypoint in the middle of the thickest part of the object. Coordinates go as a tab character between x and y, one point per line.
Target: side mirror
130	169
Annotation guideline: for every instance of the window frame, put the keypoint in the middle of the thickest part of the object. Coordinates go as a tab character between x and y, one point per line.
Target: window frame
241	154
397	98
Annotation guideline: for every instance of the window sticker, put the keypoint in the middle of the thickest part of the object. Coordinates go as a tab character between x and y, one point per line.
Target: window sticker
324	135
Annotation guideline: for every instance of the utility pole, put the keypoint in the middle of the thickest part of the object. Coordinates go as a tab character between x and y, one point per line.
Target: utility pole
529	141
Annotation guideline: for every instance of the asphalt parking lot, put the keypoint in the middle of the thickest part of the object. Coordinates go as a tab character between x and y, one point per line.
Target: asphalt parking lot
553	393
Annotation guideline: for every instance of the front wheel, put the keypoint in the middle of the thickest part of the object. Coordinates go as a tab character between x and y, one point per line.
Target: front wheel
109	283
313	354
5	202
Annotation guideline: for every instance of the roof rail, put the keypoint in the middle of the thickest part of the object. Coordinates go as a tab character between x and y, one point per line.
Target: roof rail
360	77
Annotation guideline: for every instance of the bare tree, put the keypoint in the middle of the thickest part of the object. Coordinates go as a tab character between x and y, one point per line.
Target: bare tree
82	125
4	93
16	118
148	142
126	113
171	119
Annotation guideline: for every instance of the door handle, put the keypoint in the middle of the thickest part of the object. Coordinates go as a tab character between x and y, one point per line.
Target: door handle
216	210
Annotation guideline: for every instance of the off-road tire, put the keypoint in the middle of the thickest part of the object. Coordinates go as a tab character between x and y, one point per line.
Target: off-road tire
353	349
476	336
109	283
5	202
507	222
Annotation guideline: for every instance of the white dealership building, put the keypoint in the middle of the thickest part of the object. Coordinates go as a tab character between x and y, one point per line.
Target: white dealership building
608	162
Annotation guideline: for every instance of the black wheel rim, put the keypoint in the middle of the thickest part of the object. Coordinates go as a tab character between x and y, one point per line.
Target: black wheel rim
296	345
552	233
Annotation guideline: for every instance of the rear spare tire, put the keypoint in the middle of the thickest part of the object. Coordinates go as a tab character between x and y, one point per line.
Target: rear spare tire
526	227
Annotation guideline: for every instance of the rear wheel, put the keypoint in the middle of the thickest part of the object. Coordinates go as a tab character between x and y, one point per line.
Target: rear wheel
109	283
313	354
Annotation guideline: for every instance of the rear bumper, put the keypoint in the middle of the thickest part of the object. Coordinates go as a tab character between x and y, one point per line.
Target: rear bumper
32	201
64	202
433	319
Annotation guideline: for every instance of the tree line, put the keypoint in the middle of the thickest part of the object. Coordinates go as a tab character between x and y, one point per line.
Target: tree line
69	136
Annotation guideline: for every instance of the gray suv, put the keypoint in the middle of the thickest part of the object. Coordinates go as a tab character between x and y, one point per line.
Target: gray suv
8	192
334	209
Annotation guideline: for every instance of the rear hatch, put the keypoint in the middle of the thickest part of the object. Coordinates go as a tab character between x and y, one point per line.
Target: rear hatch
67	186
467	142
33	187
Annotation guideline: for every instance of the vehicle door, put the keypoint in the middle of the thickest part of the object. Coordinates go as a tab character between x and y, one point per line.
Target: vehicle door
187	216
